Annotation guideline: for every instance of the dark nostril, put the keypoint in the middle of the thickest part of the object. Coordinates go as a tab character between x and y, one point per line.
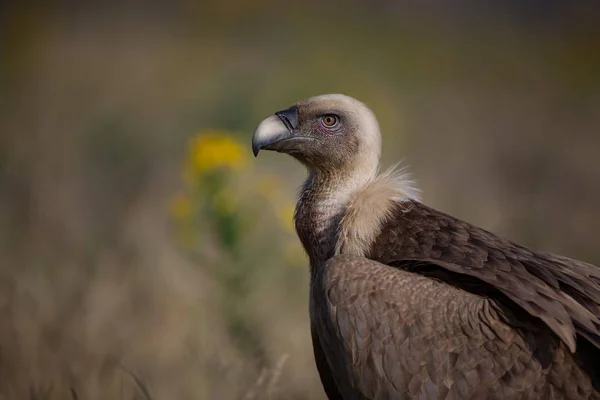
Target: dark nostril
286	122
289	118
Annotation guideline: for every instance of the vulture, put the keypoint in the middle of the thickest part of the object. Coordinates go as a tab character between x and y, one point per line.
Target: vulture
407	302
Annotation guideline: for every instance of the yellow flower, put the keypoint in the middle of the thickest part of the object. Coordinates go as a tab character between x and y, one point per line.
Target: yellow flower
211	150
181	207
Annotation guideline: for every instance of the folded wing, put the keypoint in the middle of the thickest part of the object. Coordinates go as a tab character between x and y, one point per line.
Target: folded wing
405	335
563	293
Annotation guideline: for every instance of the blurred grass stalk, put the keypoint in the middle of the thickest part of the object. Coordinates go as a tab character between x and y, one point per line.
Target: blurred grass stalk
214	211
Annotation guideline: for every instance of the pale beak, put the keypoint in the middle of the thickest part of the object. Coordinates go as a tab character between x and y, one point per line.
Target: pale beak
274	129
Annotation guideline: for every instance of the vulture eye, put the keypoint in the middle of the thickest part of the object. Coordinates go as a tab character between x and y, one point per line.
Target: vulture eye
329	120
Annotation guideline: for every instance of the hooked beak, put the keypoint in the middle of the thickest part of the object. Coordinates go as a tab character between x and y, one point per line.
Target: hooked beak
275	129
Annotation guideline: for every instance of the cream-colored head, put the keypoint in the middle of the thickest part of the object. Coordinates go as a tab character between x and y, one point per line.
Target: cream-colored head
330	134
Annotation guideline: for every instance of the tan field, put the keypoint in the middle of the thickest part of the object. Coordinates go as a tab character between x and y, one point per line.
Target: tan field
145	254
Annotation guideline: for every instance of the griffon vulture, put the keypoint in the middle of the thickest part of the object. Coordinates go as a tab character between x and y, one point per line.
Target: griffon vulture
407	302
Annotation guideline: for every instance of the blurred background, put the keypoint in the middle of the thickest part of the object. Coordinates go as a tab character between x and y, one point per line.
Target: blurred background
145	254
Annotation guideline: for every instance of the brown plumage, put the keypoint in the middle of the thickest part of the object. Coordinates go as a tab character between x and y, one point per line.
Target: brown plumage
408	302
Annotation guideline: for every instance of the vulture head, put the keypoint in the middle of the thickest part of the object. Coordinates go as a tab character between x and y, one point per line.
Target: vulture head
337	138
329	134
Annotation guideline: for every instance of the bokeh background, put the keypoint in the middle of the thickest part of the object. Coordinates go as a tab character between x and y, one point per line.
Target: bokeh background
145	254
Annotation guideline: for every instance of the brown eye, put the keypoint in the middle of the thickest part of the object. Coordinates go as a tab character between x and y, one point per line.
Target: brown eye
329	120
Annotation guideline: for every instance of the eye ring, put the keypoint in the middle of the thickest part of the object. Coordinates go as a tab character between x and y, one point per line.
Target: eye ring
330	121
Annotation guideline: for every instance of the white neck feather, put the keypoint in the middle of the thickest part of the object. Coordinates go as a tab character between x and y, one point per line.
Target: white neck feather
370	206
340	216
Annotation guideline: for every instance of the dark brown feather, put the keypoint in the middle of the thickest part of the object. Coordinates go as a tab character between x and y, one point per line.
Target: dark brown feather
564	293
325	374
392	334
440	308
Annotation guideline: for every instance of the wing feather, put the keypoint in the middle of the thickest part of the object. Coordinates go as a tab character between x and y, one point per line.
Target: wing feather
563	293
325	373
404	335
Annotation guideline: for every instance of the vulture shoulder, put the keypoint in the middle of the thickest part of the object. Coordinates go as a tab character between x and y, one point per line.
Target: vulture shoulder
388	333
563	293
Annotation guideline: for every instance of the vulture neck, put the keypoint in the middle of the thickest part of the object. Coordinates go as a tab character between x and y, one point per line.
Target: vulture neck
322	203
